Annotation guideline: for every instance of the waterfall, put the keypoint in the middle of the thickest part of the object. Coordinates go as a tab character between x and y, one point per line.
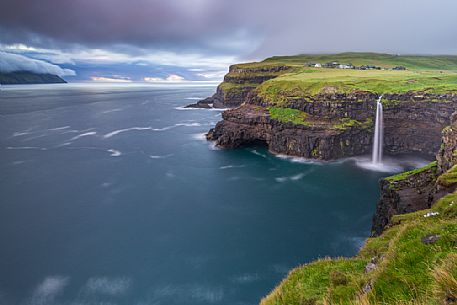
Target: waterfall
378	134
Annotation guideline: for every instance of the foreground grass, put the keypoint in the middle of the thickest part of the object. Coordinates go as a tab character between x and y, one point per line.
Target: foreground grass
449	178
407	270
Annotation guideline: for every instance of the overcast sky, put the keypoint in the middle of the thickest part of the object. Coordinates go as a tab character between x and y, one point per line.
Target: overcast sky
198	39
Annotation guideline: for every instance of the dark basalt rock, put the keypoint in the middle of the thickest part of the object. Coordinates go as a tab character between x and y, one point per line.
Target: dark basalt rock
447	156
207	103
405	196
246	80
430	239
222	99
418	191
251	124
409	127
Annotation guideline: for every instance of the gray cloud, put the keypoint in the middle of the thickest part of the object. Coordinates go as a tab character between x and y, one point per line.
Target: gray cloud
407	26
15	62
245	28
193	25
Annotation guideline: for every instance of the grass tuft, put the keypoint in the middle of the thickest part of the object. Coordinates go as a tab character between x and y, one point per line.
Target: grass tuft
288	115
449	178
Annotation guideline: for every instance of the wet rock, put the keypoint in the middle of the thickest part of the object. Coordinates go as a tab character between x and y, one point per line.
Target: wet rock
206	103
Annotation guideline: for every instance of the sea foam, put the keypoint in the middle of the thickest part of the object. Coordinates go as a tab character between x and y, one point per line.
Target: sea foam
91	133
114	152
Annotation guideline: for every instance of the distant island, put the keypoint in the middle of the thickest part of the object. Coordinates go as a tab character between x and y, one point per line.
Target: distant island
324	107
27	77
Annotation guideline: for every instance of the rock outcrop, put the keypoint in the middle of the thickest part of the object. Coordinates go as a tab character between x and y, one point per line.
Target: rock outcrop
411	193
418	189
238	83
447	156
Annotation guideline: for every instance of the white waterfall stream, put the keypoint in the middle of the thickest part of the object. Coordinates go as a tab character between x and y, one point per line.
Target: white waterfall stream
378	134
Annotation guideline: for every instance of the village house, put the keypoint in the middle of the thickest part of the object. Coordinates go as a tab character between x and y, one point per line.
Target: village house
314	65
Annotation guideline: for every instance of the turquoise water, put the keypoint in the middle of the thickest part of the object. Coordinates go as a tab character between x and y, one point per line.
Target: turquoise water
111	195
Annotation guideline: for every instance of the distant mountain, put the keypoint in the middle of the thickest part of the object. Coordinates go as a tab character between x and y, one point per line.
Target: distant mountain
26	77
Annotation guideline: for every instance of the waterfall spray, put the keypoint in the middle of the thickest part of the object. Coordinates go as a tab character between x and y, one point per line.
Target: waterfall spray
378	134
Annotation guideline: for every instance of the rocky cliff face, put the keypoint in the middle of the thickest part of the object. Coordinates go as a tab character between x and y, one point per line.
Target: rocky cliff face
412	193
447	156
321	139
417	190
238	83
339	126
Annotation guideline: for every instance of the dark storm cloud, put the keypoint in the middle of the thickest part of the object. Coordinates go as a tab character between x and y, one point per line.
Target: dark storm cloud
145	23
251	27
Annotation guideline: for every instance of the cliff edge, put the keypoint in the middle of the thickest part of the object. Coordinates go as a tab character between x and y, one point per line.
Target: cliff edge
323	107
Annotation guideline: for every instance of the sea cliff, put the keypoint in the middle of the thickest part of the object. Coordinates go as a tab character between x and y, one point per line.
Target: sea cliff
326	114
336	127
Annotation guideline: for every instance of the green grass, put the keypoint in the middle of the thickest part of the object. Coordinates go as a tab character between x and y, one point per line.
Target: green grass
433	74
305	85
346	123
338	275
449	178
406	175
412	62
287	115
226	86
408	271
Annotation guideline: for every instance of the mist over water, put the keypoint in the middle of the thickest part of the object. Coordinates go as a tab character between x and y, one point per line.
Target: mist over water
113	195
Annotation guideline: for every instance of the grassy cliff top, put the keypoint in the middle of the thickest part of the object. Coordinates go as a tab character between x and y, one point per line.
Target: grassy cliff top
308	82
412	62
433	74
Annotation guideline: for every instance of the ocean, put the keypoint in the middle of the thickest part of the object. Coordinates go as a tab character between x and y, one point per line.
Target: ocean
110	194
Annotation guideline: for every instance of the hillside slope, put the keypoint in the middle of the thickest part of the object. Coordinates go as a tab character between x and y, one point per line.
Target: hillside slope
26	77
